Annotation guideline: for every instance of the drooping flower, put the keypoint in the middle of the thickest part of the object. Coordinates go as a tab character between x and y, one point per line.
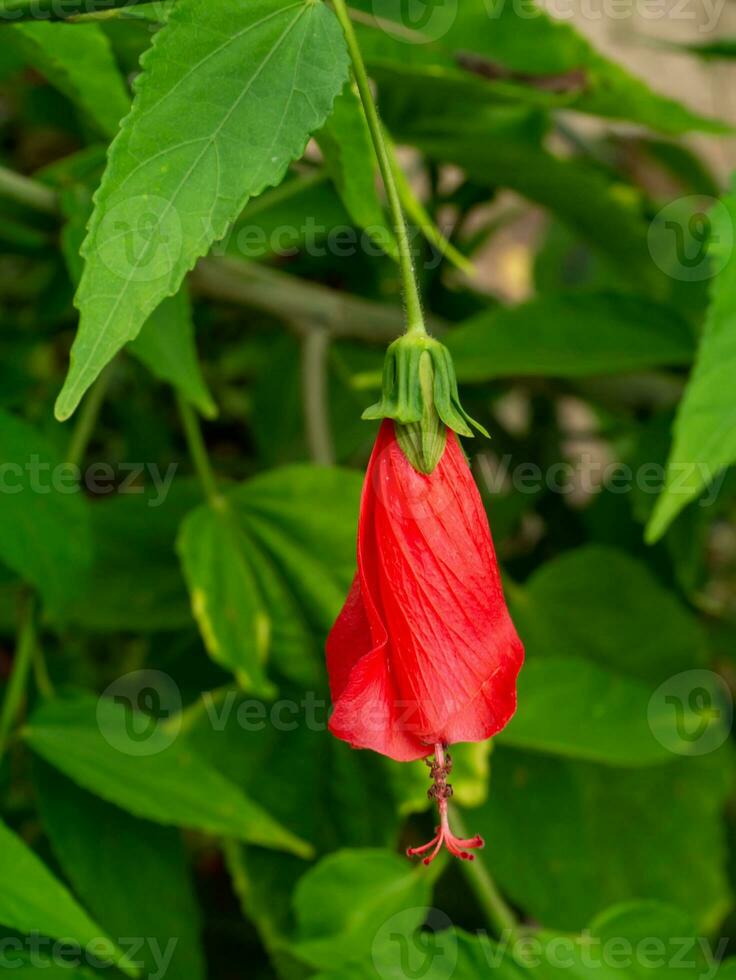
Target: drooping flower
424	653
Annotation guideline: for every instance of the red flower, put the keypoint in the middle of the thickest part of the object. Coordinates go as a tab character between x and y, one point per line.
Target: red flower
424	652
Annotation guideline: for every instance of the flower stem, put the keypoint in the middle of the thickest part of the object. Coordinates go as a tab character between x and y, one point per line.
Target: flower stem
500	916
415	318
198	452
21	665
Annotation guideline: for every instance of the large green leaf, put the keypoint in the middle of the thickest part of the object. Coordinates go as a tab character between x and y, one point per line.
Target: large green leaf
604	214
33	900
139	764
344	900
523	53
268	568
166	342
705	427
570	334
284	758
78	60
214	553
135	583
135	879
566	839
166	346
601	604
571	707
252	80
433	950
44	523
631	940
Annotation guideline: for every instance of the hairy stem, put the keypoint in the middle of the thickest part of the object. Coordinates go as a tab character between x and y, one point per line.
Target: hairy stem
198	451
22	660
415	318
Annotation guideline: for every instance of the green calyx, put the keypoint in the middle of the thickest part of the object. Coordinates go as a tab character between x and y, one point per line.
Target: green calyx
420	395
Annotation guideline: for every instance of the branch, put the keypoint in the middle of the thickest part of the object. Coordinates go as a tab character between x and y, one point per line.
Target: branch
259	286
287	296
24	190
315	354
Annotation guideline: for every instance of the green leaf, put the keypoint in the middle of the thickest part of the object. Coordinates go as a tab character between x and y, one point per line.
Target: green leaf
503	149
78	60
632	941
569	335
44	529
268	569
566	610
214	552
571	707
566	839
344	900
141	765
166	346
135	583
33	900
346	144
283	757
166	342
416	212
250	102
705	427
123	877
433	950
523	53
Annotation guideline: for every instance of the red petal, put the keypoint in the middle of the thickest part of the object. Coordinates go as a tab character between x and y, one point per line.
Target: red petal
425	650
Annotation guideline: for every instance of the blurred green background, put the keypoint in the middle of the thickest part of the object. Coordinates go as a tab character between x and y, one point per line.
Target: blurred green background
172	801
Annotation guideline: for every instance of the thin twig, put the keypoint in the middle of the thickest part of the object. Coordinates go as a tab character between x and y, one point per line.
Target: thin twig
198	451
14	11
287	296
260	287
22	660
87	418
24	190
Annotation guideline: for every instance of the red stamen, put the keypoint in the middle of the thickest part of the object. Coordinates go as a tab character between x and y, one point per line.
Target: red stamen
442	791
